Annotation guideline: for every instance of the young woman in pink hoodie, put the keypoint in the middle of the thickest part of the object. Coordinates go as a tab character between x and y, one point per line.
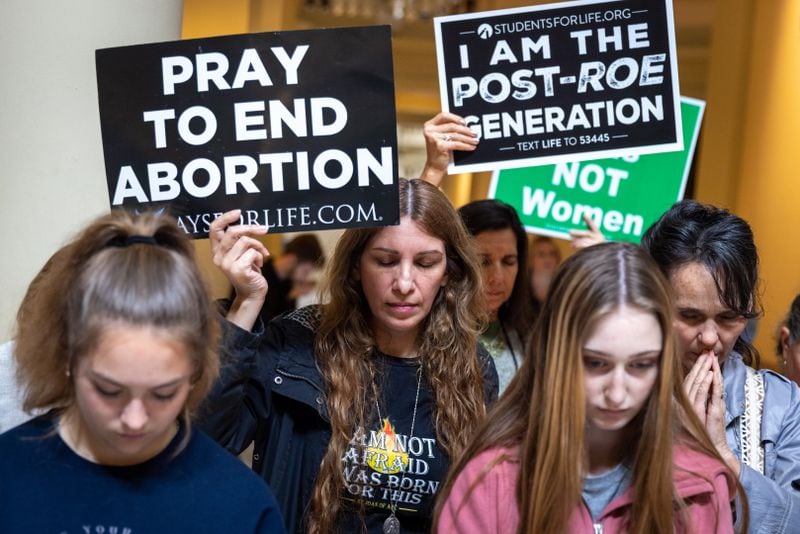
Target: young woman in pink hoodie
595	433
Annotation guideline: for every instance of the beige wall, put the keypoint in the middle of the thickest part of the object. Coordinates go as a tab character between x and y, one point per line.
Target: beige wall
748	155
52	178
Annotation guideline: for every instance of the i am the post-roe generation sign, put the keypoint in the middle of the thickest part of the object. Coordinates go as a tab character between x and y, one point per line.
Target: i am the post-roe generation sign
295	128
561	82
623	196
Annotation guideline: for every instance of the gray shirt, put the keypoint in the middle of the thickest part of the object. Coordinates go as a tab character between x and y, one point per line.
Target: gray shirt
504	344
600	490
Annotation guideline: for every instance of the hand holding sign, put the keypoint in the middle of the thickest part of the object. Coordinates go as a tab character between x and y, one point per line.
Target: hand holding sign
262	122
240	257
567	81
444	133
586	238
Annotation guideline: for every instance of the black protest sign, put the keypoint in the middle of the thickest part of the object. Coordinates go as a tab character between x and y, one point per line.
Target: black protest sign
297	129
561	82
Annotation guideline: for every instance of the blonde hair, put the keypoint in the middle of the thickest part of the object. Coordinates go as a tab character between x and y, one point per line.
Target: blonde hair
122	269
345	346
543	410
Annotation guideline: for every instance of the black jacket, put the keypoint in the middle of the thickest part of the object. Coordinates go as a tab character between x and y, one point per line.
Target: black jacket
270	391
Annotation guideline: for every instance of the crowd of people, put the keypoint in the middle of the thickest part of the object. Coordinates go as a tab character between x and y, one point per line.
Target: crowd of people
455	378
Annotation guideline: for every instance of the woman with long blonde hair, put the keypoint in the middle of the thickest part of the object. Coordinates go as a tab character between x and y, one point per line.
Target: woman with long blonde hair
595	433
356	406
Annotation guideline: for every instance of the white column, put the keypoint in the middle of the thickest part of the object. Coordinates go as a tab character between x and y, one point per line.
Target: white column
52	176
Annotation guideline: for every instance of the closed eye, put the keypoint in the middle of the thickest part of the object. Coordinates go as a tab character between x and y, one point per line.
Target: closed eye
690	316
730	317
385	261
643	365
164	397
108	393
594	364
429	260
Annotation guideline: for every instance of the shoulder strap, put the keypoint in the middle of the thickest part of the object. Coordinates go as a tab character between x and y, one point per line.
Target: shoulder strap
750	422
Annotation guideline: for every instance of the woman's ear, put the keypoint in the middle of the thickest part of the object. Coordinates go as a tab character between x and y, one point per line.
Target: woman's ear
784	337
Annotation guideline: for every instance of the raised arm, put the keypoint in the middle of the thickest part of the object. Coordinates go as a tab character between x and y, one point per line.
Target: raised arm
240	256
444	133
586	238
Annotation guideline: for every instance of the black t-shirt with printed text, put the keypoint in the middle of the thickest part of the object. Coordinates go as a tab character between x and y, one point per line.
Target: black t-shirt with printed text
386	463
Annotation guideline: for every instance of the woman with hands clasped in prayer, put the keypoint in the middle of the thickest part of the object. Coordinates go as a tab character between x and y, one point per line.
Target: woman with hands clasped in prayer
595	433
752	416
358	405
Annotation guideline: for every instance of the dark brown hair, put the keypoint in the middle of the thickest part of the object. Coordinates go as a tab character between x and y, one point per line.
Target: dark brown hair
792	323
307	249
723	243
490	215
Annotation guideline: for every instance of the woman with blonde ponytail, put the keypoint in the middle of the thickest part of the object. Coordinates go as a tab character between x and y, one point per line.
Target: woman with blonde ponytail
595	433
357	406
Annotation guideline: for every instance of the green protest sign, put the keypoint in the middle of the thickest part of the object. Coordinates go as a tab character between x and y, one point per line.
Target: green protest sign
623	196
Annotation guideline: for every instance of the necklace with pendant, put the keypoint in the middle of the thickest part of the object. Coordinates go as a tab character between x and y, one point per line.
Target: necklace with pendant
392	524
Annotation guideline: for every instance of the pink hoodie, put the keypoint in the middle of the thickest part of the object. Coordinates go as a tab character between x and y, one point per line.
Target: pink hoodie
491	506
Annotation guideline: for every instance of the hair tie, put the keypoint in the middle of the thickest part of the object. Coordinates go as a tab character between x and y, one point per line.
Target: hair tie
134	240
143	239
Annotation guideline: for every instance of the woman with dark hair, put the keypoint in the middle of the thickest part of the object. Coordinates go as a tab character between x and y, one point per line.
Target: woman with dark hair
357	406
595	434
503	249
751	415
116	338
788	347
